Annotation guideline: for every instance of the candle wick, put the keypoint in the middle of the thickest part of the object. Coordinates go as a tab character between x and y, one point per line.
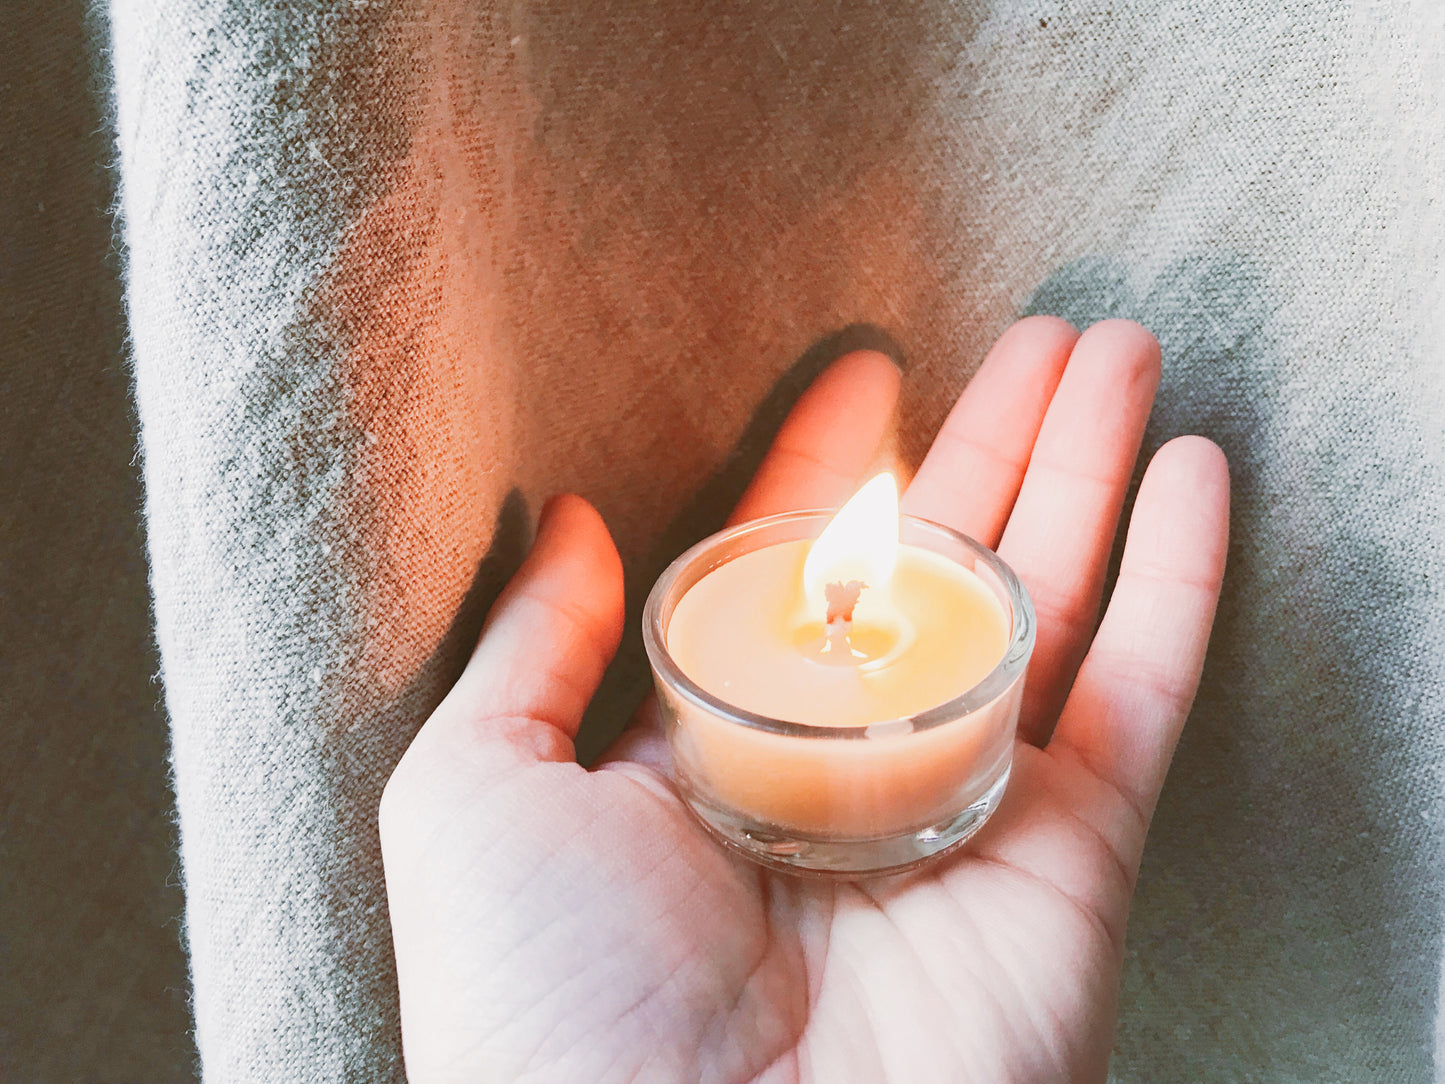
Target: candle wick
842	598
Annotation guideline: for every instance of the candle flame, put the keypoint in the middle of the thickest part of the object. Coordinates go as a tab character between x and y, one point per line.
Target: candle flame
859	544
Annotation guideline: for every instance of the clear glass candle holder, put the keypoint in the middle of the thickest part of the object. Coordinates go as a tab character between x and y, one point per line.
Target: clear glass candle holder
846	800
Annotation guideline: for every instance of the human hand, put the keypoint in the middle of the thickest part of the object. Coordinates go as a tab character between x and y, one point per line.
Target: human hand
553	923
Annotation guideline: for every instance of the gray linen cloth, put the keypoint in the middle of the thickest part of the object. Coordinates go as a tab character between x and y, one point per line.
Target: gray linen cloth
397	271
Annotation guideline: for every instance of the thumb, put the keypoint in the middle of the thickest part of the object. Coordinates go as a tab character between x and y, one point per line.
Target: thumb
541	654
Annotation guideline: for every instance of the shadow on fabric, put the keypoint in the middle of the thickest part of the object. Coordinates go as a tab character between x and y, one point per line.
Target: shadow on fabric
628	680
1277	866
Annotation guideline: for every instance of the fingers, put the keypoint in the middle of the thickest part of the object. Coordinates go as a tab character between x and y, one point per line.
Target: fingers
828	440
542	652
972	473
1135	688
1062	526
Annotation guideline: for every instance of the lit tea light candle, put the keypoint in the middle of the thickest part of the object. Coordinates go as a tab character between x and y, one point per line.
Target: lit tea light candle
840	694
849	630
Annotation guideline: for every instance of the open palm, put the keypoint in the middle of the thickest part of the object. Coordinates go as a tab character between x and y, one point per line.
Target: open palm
554	923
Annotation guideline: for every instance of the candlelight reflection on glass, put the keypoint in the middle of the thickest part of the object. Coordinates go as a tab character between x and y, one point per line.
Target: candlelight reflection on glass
840	692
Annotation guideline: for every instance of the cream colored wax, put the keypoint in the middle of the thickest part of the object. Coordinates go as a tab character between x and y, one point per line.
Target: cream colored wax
749	634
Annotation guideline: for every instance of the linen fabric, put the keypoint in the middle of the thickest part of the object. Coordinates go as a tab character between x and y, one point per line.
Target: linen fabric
398	271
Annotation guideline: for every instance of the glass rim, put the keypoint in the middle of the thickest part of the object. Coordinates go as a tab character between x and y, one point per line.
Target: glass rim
988	689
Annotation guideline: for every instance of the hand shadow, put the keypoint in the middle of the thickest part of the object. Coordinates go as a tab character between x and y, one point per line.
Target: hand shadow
629	680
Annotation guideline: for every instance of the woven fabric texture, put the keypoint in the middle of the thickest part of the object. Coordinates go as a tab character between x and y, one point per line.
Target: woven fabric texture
398	271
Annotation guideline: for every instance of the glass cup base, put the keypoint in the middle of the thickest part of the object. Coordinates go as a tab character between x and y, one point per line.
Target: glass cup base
846	858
